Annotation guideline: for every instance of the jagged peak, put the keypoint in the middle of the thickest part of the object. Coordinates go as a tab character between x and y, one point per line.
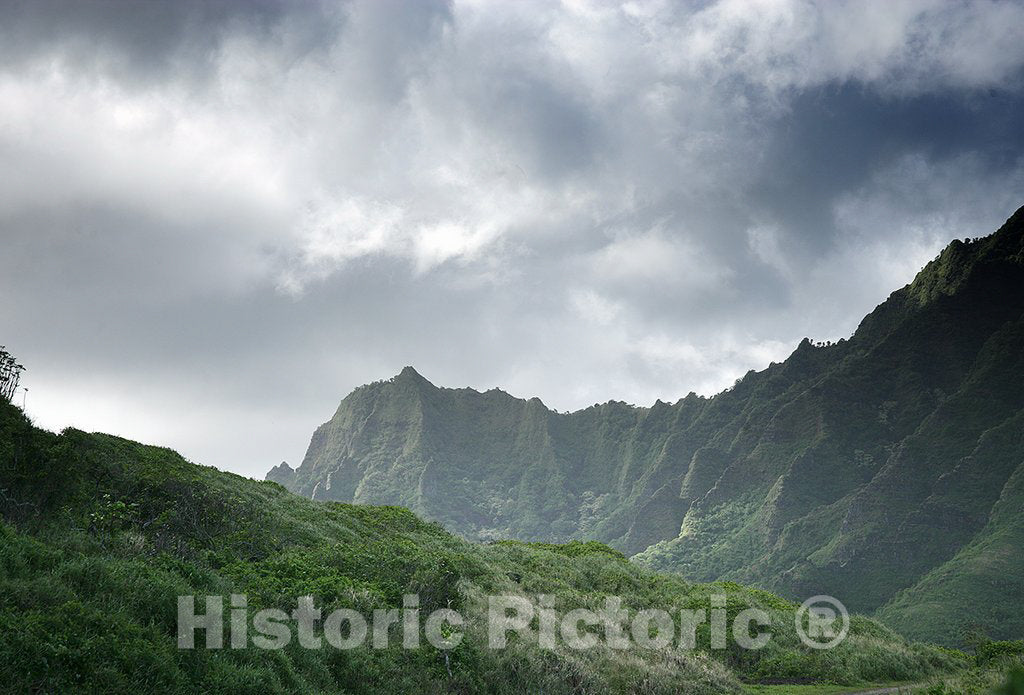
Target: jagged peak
282	473
804	346
535	402
409	376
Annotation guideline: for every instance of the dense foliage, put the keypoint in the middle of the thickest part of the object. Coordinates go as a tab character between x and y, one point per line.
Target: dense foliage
100	535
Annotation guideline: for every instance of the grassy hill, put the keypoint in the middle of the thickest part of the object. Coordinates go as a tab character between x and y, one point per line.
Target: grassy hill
100	536
873	469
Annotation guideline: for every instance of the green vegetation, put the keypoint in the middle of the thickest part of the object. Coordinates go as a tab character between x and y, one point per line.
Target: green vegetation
1005	677
100	535
886	470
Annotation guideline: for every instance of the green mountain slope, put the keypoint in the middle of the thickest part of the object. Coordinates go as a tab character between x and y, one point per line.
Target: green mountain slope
101	535
854	469
979	587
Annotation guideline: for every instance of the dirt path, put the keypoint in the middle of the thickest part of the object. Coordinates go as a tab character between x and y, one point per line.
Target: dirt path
780	689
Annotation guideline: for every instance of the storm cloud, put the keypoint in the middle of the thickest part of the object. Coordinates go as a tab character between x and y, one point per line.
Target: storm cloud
218	218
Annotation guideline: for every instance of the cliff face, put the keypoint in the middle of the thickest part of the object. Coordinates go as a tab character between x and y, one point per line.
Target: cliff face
869	469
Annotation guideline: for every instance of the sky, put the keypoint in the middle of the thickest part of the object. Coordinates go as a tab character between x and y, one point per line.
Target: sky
218	218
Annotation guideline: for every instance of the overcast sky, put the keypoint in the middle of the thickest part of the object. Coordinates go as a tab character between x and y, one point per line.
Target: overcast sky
217	218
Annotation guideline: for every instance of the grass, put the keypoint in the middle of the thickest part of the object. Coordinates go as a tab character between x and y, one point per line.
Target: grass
1003	675
101	535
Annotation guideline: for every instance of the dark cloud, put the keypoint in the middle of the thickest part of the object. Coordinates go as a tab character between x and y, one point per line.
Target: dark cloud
144	41
835	137
218	218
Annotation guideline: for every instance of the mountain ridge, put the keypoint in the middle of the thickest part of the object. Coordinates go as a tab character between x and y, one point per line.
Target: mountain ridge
854	468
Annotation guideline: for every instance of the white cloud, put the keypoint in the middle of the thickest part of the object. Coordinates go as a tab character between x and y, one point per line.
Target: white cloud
892	226
766	244
907	44
656	257
593	307
583	196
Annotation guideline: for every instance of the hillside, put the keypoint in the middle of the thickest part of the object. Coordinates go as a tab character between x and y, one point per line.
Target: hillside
884	469
101	535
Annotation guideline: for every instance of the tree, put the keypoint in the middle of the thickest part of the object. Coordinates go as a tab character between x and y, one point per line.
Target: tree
10	374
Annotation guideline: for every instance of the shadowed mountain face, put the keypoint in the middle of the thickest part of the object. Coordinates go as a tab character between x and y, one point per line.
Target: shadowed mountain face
887	469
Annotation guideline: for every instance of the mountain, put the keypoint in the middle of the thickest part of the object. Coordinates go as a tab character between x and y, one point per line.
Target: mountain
282	474
100	536
885	469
